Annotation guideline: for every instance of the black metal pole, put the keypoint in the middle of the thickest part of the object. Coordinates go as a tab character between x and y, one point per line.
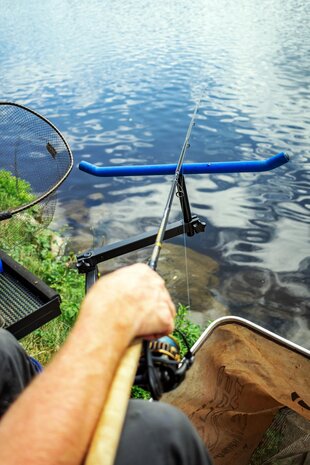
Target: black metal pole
183	197
164	221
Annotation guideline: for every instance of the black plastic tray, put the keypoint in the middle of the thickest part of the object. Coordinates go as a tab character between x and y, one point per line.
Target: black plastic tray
26	302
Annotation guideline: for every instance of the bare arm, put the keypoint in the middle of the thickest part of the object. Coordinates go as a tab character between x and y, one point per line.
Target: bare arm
53	420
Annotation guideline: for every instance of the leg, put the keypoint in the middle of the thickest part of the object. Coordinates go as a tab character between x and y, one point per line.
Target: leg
16	370
156	433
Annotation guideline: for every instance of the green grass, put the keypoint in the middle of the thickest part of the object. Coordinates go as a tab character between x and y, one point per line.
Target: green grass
191	330
14	191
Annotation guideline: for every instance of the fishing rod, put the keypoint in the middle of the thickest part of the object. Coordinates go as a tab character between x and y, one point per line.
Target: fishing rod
164	221
160	362
160	368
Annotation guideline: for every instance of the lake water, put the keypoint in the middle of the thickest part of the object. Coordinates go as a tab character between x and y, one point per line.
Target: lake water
120	80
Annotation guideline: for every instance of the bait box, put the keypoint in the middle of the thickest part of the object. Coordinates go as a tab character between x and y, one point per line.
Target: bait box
26	302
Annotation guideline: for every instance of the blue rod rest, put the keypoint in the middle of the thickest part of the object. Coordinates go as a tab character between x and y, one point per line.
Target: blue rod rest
188	168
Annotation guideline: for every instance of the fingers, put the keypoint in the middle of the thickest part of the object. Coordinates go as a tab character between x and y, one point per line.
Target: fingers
153	305
139	297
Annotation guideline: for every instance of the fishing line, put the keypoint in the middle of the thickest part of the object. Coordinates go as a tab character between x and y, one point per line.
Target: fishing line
160	369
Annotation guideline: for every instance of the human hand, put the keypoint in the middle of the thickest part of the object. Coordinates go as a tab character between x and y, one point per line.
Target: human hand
136	298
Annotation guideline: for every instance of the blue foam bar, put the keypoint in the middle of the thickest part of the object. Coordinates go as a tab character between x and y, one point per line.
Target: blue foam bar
187	168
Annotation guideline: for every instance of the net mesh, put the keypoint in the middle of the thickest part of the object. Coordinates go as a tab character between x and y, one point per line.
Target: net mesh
34	160
34	157
285	442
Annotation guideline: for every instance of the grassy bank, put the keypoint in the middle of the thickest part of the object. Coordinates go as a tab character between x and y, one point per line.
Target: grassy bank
58	272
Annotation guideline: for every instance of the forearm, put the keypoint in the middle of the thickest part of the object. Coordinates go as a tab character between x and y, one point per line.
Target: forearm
52	422
54	419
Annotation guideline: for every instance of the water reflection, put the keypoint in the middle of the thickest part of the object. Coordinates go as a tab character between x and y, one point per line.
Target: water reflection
280	300
120	80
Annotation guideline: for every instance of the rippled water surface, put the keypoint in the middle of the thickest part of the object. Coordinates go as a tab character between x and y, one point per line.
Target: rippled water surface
120	80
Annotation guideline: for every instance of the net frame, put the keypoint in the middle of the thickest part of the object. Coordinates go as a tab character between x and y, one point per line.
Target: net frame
6	214
242	376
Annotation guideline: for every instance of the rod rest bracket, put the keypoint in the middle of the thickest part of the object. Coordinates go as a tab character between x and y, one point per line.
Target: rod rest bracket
88	261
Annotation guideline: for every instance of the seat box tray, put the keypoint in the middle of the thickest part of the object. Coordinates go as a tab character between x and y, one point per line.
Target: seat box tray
26	302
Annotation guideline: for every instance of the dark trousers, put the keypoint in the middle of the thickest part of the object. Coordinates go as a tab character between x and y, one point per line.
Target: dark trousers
154	433
16	370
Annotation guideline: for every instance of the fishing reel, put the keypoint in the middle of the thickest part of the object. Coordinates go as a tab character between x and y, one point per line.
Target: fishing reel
160	367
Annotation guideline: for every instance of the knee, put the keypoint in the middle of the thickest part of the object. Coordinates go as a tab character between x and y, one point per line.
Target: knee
8	345
163	418
12	354
162	431
162	421
177	435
